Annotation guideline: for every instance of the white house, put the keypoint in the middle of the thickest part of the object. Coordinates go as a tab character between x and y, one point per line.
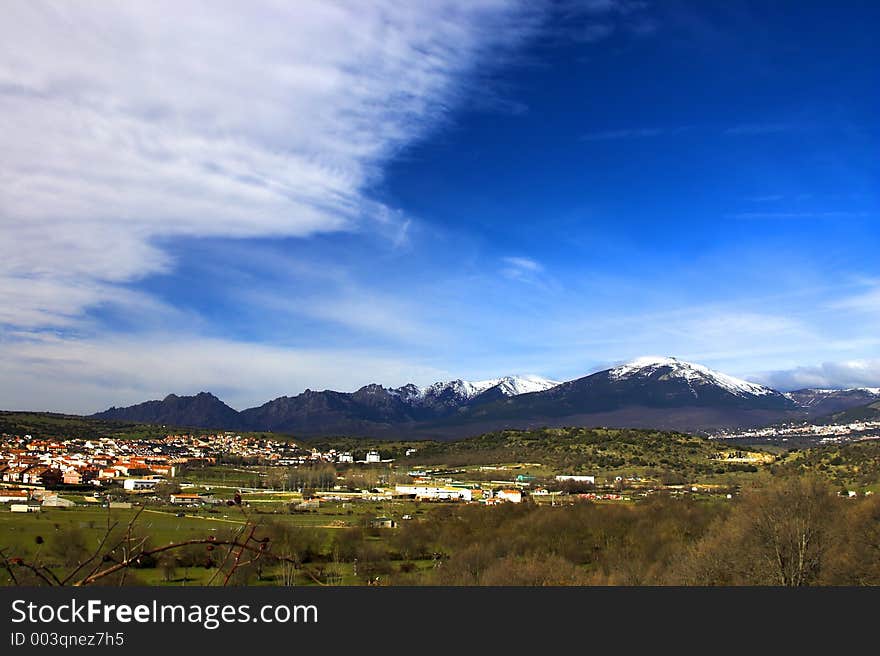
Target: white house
435	492
186	499
54	501
139	484
373	456
580	479
513	496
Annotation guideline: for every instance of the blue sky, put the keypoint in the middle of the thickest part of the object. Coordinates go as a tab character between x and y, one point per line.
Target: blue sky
255	200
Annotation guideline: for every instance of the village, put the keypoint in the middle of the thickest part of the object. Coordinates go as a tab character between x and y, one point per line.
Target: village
804	432
183	470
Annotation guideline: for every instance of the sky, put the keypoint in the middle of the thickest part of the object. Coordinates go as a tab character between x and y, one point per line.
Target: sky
257	198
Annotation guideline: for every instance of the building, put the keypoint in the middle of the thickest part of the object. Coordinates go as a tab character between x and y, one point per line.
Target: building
54	501
383	522
135	484
186	499
579	479
435	492
13	496
373	456
513	496
345	457
41	475
23	508
13	473
72	477
163	470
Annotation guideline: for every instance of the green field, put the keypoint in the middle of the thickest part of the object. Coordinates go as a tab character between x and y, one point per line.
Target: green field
47	535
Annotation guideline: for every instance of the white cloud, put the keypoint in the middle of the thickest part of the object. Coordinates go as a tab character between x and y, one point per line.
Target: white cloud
126	123
43	371
852	373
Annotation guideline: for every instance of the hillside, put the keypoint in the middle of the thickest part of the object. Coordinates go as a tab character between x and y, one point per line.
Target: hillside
869	412
578	450
821	402
203	410
54	425
851	465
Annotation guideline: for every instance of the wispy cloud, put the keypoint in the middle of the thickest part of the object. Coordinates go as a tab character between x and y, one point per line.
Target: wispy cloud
758	129
637	133
864	302
227	121
628	133
831	215
520	268
769	198
747	129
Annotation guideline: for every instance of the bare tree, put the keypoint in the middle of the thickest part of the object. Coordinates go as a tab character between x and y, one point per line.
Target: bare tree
117	552
777	535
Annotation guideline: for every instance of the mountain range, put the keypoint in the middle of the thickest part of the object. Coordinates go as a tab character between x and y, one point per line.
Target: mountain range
664	393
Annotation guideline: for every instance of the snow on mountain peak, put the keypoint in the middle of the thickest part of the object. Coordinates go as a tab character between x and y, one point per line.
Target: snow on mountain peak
467	389
524	384
690	372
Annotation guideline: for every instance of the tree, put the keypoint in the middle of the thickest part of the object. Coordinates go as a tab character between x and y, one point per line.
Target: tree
856	557
777	535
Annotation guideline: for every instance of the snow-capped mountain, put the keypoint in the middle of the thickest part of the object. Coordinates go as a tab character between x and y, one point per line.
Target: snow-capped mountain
645	383
818	402
695	375
465	390
515	385
653	392
377	408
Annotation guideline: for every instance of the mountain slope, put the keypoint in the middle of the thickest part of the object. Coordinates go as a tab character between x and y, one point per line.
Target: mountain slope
371	407
821	402
203	410
868	412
